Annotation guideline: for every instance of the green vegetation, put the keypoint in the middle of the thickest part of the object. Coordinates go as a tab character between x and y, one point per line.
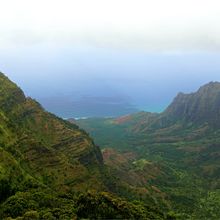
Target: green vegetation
172	156
140	164
106	206
51	169
152	166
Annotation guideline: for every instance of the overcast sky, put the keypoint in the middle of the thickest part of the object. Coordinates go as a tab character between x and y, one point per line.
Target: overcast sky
164	25
143	50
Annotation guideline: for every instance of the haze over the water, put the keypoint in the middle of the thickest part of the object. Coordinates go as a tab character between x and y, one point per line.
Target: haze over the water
107	58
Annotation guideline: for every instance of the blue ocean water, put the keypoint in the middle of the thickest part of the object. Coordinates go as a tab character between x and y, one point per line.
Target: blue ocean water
84	81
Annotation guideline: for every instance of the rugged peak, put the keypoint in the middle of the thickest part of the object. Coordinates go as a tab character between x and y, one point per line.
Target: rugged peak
180	94
211	84
199	107
211	87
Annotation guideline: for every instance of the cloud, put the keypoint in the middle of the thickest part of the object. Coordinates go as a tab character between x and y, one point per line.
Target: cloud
153	25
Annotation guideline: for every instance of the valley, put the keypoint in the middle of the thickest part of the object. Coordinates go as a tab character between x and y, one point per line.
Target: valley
139	166
52	169
175	152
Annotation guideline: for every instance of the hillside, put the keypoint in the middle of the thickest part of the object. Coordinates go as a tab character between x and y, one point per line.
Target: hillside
51	169
44	144
180	144
200	107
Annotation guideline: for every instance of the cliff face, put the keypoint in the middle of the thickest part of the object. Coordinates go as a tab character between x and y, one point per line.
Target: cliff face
200	107
52	151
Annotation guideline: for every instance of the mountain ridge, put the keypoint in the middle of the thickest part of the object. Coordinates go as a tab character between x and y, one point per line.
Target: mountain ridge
52	169
180	146
197	107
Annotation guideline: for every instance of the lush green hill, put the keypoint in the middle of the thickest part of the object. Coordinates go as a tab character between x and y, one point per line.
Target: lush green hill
44	144
177	151
51	169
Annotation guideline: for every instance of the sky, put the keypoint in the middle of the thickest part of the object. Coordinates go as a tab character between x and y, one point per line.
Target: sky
109	57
